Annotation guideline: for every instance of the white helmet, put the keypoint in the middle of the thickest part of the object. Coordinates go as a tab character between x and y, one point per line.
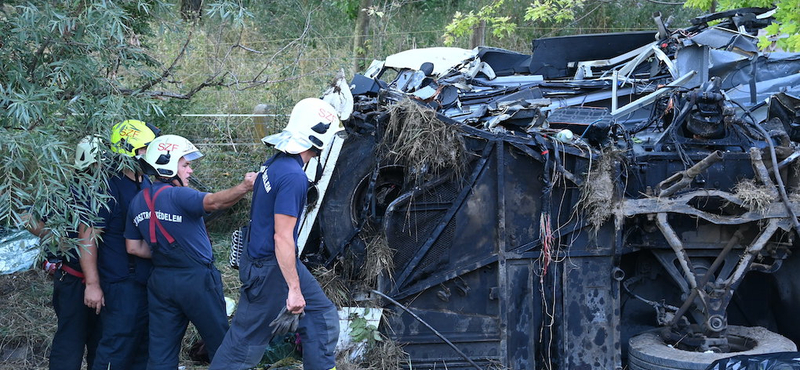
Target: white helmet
164	152
313	124
87	151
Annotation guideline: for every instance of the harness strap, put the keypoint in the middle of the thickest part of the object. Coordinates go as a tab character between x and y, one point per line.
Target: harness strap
154	222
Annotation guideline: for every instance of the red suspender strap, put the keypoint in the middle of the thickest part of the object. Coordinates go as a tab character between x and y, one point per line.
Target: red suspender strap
154	222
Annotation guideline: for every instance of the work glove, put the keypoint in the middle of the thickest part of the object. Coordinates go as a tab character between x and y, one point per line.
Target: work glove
286	322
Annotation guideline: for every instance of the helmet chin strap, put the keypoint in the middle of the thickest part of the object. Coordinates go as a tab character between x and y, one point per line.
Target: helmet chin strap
169	180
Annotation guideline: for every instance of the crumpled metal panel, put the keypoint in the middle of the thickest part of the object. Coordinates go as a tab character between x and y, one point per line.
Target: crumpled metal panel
726	39
591	314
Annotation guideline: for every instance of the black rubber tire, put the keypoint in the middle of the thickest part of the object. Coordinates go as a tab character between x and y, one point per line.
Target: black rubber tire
356	162
647	351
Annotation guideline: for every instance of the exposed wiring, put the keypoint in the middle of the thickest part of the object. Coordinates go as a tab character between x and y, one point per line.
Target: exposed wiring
653	112
673	128
546	236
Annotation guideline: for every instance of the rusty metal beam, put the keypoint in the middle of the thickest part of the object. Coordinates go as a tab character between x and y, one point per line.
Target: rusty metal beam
633	207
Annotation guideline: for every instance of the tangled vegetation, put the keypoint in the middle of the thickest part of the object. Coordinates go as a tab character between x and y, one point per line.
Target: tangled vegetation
599	190
419	141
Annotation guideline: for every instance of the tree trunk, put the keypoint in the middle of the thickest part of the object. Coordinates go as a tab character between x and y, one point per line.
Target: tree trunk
360	38
478	35
191	9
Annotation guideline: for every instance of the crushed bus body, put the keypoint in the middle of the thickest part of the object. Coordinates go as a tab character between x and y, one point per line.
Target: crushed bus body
605	201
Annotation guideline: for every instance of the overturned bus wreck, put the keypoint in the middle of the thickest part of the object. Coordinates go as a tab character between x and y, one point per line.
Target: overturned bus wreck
605	202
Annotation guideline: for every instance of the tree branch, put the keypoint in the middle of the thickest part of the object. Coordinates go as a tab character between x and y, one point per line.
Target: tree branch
218	78
169	70
285	47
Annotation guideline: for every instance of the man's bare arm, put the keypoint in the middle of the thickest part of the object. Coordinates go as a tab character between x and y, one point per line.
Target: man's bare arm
226	198
138	248
93	295
286	254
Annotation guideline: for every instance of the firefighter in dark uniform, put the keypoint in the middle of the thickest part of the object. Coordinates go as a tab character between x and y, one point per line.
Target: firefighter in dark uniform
273	278
78	325
116	281
165	223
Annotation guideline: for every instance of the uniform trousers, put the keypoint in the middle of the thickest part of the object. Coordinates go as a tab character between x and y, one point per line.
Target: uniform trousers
262	296
124	321
182	289
78	325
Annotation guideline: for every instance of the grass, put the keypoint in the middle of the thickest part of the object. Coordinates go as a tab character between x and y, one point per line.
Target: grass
27	320
755	197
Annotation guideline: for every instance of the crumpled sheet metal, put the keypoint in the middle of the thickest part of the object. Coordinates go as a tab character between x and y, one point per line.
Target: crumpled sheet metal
443	58
18	250
770	361
719	38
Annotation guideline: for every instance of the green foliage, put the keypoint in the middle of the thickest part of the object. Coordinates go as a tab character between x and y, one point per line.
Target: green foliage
554	11
68	69
362	331
286	51
787	17
700	4
568	17
349	7
784	33
227	12
463	24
